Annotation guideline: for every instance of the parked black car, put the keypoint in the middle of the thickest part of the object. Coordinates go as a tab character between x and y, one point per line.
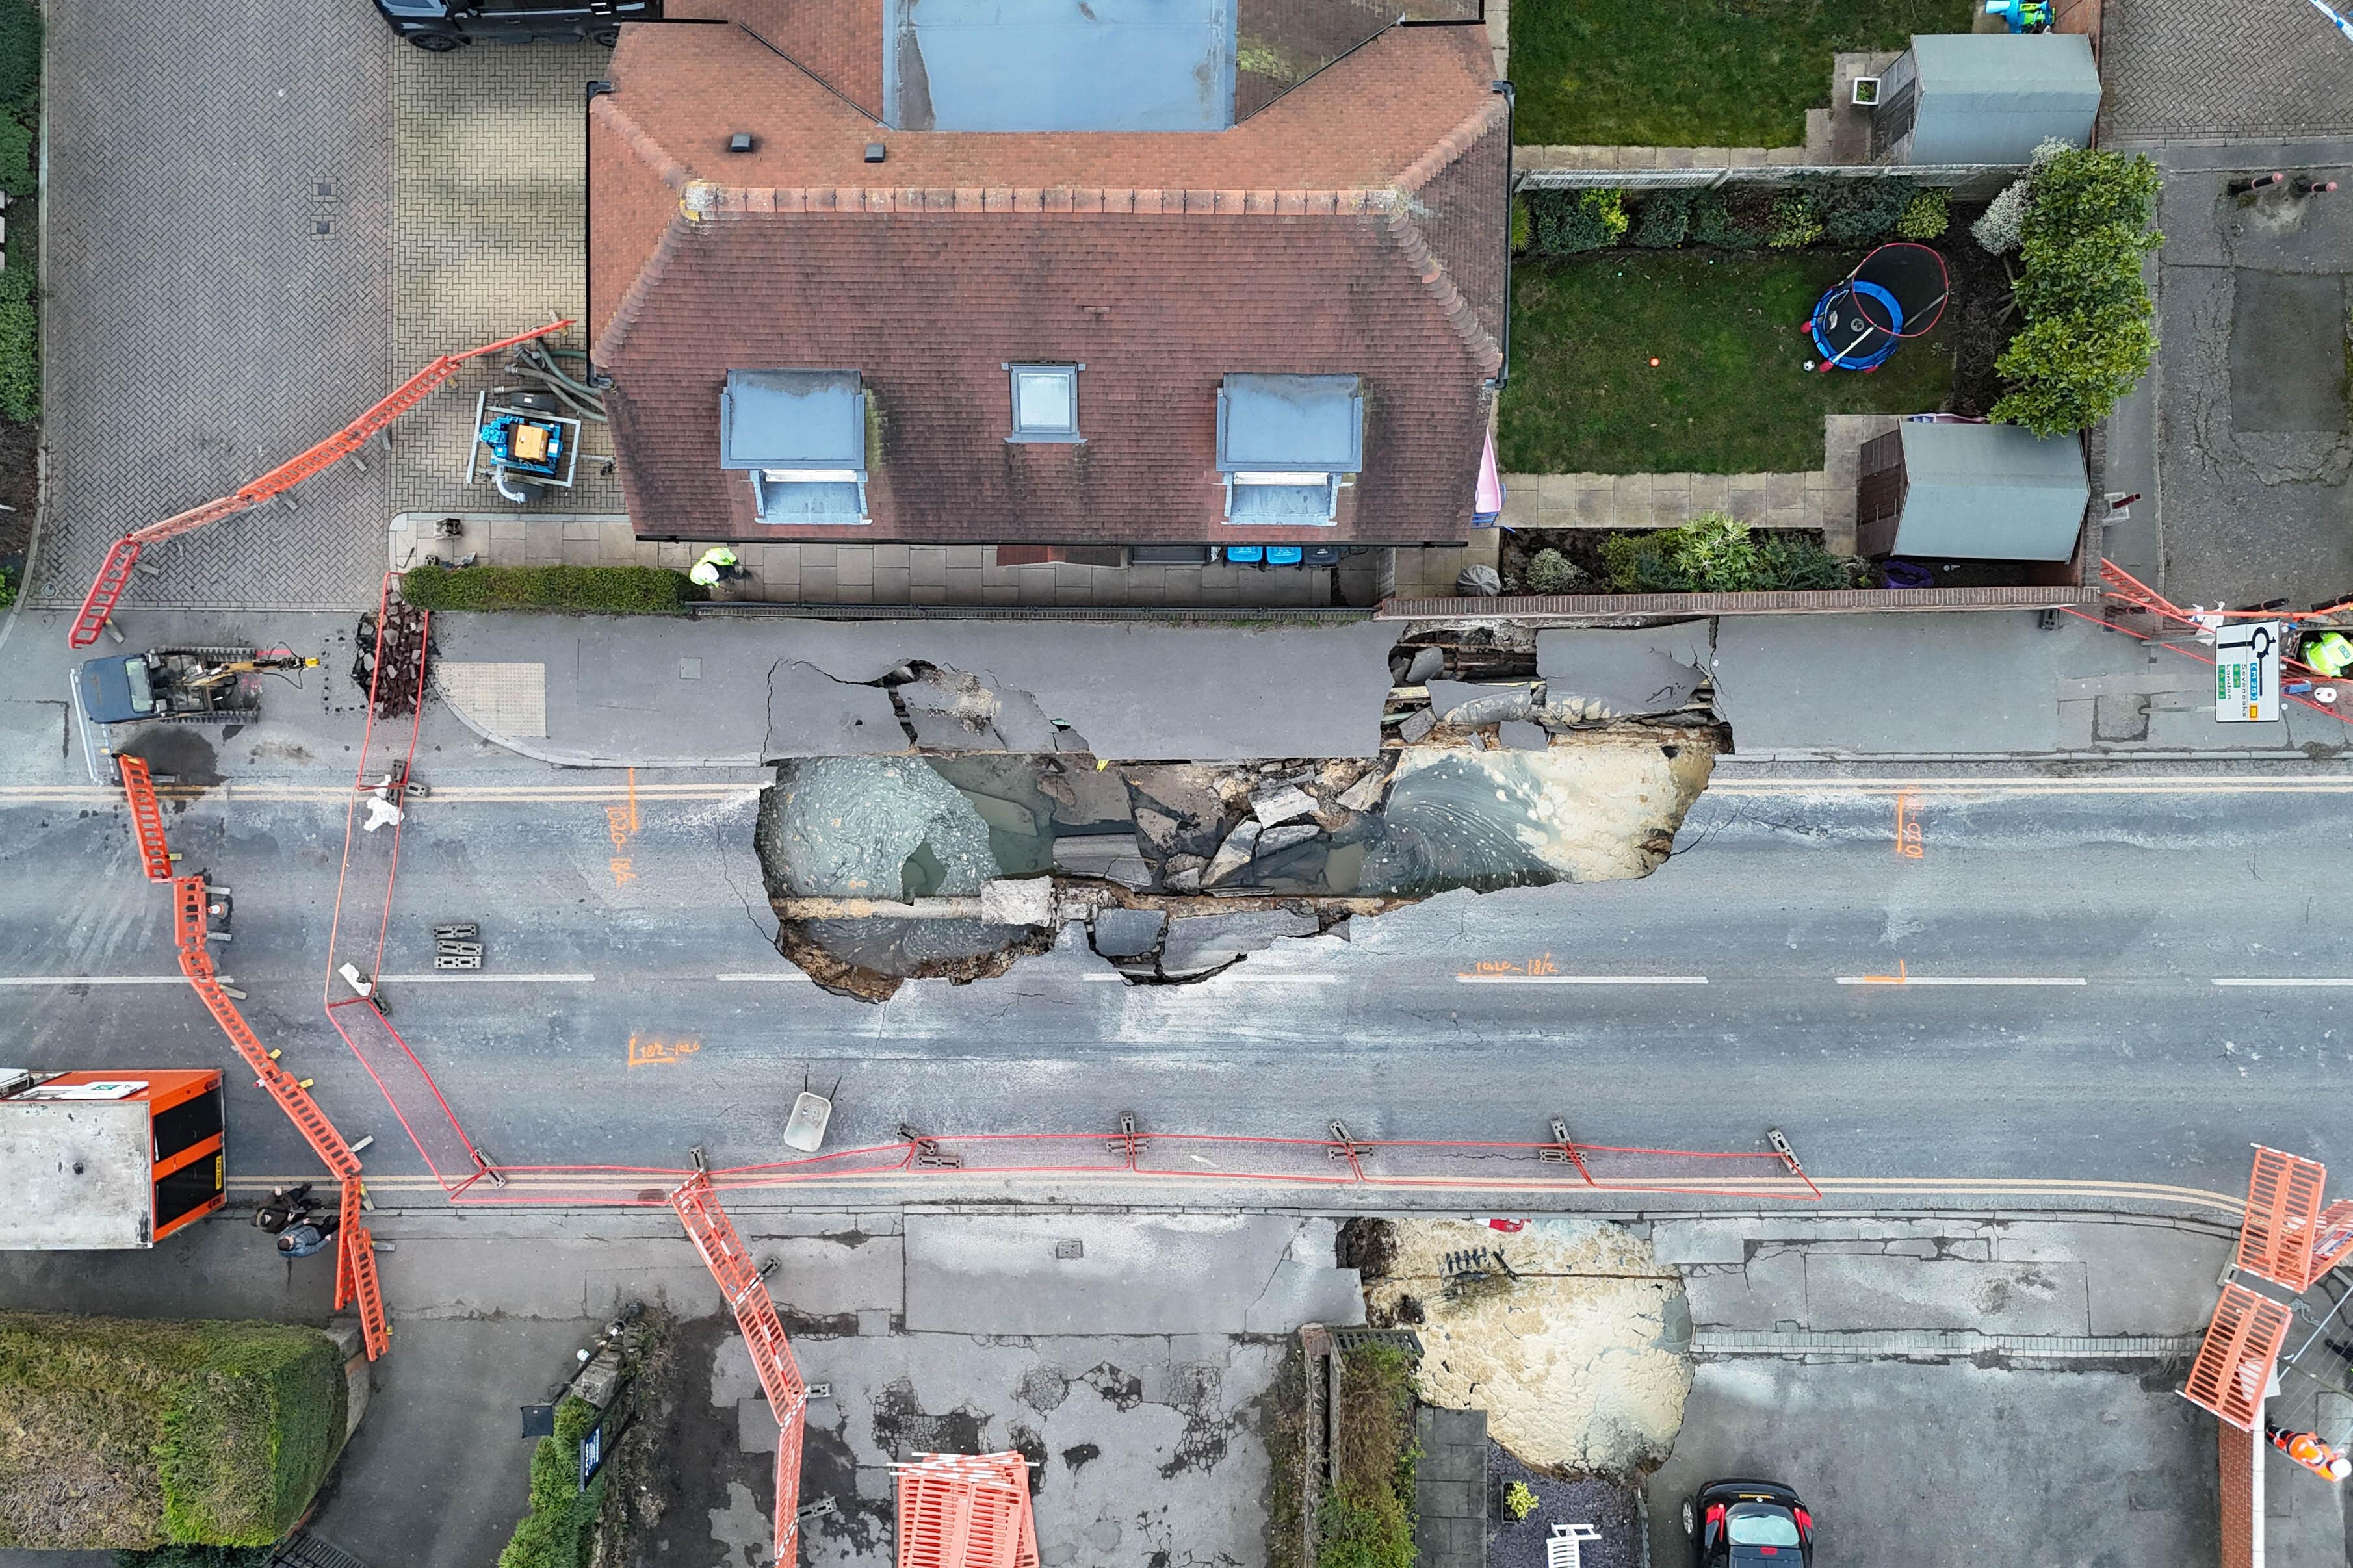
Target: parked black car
1748	1524
443	24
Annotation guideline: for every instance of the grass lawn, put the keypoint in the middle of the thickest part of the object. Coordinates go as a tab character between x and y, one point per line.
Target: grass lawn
1695	73
1730	395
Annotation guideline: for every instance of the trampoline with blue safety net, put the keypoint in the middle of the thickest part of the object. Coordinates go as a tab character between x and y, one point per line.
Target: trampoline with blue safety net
1899	291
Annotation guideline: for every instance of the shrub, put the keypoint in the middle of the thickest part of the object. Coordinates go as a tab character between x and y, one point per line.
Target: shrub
1797	222
2088	336
1570	222
197	1557
20	54
7	586
16	172
140	1434
2002	225
1663	220
1519	1500
1550	571
1715	552
1856	210
1714	220
558	1532
1362	1526
1926	217
600	590
20	346
1524	225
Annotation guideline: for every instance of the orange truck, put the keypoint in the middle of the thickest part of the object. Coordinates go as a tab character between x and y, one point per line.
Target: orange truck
108	1160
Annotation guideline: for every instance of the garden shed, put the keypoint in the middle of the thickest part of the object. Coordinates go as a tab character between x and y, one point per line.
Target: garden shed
1984	98
1970	492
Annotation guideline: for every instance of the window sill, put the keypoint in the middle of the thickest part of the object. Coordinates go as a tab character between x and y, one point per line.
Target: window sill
1026	440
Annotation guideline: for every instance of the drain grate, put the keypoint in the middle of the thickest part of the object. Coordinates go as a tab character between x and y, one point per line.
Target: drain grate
1405	1339
303	1550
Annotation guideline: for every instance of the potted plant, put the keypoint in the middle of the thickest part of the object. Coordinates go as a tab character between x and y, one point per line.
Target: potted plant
1866	91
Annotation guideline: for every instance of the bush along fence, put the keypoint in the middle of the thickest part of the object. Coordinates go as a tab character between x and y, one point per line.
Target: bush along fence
20	97
1748	214
2080	221
594	590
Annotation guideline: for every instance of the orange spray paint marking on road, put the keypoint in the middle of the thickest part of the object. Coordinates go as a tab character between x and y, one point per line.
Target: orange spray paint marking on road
620	827
1534	966
648	1053
1908	842
1901	977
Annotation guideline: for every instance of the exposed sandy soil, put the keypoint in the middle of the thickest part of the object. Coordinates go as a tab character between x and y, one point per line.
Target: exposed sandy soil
1574	1345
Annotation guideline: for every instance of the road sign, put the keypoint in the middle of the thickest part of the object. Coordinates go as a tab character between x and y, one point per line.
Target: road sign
592	1454
2247	672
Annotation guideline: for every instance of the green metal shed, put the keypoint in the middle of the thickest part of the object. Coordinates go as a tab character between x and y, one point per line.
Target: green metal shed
1984	98
1970	492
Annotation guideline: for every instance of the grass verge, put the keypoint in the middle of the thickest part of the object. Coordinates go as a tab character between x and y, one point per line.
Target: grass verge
1367	1517
596	590
1695	73
1730	394
130	1433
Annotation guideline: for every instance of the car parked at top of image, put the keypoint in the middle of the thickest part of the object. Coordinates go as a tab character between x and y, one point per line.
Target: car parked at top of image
1746	1524
440	26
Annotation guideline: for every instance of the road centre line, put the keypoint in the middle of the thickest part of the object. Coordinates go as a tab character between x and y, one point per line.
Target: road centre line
2271	981
1237	972
1946	787
1581	979
1960	980
440	978
93	980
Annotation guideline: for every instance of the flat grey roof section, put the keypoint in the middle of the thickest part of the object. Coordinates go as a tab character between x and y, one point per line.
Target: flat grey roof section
1291	422
1895	684
616	695
1989	98
1058	64
1649	669
1108	1274
1991	492
792	420
51	1205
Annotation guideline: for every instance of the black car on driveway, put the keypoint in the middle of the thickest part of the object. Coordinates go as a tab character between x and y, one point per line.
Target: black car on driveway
1748	1524
441	25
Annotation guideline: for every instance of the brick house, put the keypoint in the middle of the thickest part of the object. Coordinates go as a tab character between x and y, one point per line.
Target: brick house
1049	273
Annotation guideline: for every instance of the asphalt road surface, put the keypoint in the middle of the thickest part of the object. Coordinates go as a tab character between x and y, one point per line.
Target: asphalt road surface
2120	979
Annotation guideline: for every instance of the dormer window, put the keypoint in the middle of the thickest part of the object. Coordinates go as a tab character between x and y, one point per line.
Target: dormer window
801	434
1286	442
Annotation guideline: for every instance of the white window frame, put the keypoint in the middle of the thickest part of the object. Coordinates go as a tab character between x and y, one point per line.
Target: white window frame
1331	482
807	477
1068	370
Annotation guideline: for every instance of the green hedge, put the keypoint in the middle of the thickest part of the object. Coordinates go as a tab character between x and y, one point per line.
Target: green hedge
1715	553
561	1526
20	92
2090	334
605	590
1737	217
133	1434
1366	1519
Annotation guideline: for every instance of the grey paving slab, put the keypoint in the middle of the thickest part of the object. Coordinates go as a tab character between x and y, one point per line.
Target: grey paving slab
2141	1279
1955	1463
200	327
1939	684
1766	1293
1179	1274
1212	693
1862	1292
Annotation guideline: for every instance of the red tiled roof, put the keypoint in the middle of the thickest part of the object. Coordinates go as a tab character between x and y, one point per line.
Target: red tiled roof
1354	226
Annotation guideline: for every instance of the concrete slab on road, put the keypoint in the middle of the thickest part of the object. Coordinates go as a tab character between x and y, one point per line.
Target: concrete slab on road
1173	1274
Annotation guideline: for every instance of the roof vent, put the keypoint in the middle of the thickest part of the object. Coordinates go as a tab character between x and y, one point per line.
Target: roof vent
875	151
740	142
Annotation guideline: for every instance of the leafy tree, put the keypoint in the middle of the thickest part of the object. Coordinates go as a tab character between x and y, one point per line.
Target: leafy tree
2088	336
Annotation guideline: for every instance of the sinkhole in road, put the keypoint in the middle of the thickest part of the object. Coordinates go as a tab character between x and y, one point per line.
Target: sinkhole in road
959	856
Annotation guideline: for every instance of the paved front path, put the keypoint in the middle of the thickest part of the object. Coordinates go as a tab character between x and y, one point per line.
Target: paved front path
2222	69
200	327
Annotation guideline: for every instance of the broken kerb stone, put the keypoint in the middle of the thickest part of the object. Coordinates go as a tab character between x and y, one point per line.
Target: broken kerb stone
1202	942
1462	703
1273	807
1417	726
1028	902
1364	794
1275	838
1427	664
1233	854
1128	933
1520	735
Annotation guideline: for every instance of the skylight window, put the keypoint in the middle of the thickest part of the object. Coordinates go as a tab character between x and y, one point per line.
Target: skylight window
1286	444
1045	402
802	436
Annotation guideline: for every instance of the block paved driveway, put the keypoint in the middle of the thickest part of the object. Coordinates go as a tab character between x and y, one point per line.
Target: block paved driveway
199	330
2174	69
